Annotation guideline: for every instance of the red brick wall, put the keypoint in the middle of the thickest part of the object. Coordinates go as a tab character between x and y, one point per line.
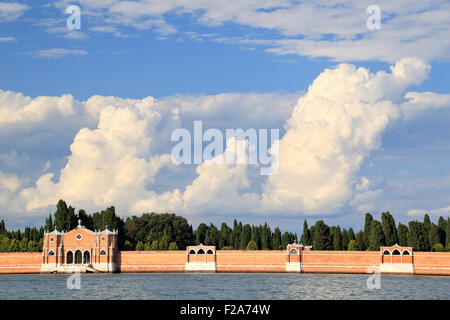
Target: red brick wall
339	261
151	261
432	263
20	262
251	261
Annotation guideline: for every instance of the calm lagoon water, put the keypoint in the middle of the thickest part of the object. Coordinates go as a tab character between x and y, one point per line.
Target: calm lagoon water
222	286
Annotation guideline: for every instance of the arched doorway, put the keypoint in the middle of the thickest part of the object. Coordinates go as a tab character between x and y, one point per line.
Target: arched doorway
202	253
69	257
86	257
78	257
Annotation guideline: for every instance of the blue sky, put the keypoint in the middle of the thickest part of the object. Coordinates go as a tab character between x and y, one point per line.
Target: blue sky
231	65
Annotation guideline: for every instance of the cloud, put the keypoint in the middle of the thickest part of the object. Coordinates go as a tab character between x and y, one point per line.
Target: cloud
120	151
56	53
419	102
7	39
333	129
437	212
10	11
314	28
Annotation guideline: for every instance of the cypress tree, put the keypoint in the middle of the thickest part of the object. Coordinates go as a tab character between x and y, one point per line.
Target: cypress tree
415	236
225	232
433	236
389	229
214	235
2	227
442	226
285	240
200	233
256	236
277	242
61	216
447	234
402	235
351	234
246	236
367	225
322	239
345	239
376	236
306	235
426	225
337	239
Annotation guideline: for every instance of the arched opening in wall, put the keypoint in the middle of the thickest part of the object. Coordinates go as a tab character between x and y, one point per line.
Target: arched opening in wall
103	253
78	257
396	252
51	253
209	252
69	257
192	251
386	253
293	251
86	257
201	251
406	253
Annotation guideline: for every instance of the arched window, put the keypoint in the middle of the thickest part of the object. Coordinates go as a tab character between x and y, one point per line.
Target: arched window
86	257
386	252
69	257
406	253
78	257
51	253
209	252
201	251
396	252
293	251
103	253
192	251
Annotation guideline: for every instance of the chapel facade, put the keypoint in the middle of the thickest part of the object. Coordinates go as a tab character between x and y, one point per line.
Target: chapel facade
80	250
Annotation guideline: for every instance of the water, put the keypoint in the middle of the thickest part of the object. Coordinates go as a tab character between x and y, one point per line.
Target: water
222	286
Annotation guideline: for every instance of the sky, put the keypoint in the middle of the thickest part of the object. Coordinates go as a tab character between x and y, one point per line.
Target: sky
87	114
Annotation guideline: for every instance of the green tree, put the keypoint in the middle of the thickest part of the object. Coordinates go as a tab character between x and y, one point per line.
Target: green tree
438	247
426	225
337	239
402	235
415	236
367	229
286	239
225	232
266	235
345	239
433	235
128	246
322	240
252	245
256	236
447	234
277	243
359	241
306	235
155	245
173	246
442	226
49	223
246	236
164	242
389	229
351	234
376	236
140	246
352	245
